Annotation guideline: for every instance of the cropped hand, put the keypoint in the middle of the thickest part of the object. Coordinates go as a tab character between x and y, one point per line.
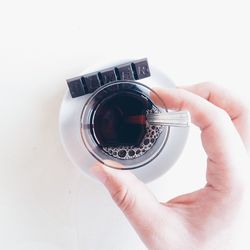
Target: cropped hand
195	220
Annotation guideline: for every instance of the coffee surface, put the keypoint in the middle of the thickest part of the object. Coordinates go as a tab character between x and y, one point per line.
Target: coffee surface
119	125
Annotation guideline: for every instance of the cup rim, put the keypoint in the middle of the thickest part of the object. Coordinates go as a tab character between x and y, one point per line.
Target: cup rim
107	161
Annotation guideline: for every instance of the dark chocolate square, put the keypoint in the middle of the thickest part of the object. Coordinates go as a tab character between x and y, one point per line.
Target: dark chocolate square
125	72
107	76
76	87
141	69
91	82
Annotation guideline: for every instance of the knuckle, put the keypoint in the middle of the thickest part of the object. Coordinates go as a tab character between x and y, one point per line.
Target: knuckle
207	85
221	114
211	84
124	199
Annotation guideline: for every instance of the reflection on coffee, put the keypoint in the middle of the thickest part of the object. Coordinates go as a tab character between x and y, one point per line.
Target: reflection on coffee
119	127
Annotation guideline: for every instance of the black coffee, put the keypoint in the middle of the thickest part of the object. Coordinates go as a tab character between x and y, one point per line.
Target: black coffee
119	125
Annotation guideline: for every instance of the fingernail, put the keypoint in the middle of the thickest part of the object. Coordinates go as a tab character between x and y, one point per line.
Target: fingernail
99	173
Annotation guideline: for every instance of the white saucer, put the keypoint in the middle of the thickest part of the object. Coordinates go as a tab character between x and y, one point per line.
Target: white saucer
69	125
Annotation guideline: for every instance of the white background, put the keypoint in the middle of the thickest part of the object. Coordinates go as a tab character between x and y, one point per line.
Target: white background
45	202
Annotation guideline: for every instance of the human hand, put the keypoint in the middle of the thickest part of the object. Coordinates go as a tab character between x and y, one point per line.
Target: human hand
198	219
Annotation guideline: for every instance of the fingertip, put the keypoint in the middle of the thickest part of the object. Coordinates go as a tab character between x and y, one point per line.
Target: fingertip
109	169
113	164
157	96
98	171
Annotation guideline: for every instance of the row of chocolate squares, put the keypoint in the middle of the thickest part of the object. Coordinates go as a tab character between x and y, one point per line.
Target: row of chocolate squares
135	70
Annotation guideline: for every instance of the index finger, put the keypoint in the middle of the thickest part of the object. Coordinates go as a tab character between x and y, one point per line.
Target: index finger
220	139
238	112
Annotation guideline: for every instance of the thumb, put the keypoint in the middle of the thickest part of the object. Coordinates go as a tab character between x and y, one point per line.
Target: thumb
131	196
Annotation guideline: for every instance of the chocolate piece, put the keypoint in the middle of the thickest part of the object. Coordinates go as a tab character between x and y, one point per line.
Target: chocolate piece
107	76
82	85
76	87
91	82
125	72
141	69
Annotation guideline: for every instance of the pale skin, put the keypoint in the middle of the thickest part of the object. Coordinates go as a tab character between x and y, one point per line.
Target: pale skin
200	219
